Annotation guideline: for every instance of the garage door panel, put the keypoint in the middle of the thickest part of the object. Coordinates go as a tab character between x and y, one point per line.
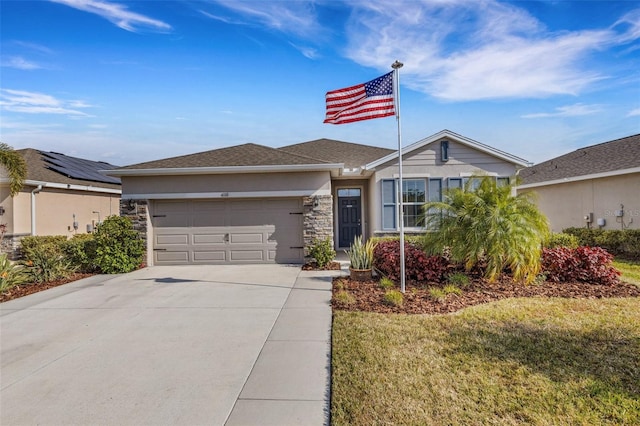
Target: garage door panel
171	256
215	238
246	238
210	256
228	231
176	239
247	255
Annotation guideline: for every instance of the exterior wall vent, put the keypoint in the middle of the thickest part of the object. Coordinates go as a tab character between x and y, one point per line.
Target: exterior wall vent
444	151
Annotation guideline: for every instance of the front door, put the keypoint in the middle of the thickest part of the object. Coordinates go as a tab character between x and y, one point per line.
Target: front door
349	215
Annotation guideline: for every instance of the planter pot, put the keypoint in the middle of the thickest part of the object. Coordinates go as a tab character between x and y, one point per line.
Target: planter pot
360	274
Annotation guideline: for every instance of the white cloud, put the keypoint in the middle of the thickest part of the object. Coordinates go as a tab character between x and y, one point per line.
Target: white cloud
308	52
38	103
574	110
117	14
634	112
20	63
290	17
472	50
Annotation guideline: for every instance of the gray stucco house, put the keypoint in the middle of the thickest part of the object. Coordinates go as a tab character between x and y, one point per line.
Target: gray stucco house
255	204
597	186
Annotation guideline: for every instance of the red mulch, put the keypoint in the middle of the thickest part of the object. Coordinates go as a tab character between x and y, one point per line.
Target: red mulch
369	296
25	289
313	266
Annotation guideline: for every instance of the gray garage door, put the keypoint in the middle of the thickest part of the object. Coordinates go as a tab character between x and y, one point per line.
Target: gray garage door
227	231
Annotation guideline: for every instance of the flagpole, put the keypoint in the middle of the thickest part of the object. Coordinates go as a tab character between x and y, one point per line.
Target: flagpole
396	67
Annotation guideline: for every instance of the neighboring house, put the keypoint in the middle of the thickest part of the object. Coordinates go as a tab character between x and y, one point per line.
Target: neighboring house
62	195
597	186
253	204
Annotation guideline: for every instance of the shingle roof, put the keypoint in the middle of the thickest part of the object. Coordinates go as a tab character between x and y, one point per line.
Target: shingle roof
241	155
351	154
610	156
38	170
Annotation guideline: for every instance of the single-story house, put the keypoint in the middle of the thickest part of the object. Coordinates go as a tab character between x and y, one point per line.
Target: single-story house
62	195
254	204
597	186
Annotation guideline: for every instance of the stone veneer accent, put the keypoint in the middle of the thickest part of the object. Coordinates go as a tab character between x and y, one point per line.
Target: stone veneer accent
318	220
136	210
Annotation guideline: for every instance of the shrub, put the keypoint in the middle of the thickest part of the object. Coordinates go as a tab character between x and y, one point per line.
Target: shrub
624	243
81	252
361	255
560	239
51	244
386	283
393	298
459	279
10	274
118	246
322	251
418	266
344	298
584	264
452	289
46	263
437	294
488	226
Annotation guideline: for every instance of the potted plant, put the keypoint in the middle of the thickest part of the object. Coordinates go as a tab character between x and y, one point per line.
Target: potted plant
361	258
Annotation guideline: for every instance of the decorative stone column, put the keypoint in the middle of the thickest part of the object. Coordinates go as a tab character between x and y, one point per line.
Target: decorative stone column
317	219
136	210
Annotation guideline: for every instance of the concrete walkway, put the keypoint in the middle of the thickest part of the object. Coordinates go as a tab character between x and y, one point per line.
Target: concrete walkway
214	345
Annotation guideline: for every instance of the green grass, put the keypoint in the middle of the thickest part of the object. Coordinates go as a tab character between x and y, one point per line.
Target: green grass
630	270
517	361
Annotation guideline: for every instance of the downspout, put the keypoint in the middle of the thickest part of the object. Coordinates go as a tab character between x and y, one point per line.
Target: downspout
33	209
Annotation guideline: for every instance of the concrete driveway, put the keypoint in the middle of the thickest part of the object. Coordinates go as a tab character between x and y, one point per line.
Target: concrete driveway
191	345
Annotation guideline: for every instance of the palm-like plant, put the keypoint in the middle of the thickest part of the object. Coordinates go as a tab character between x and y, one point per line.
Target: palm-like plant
16	167
490	225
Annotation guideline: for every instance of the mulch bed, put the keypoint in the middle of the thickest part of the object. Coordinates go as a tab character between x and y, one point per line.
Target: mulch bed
369	296
313	266
26	289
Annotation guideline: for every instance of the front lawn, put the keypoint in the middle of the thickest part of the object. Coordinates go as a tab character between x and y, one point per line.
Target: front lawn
535	360
630	270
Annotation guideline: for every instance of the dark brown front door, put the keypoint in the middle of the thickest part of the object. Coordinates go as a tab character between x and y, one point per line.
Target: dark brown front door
349	215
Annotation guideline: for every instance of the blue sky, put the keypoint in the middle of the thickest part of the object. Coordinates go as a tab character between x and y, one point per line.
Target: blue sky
126	82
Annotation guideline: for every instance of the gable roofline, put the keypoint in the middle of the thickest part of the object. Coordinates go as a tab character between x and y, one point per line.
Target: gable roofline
225	170
456	138
580	178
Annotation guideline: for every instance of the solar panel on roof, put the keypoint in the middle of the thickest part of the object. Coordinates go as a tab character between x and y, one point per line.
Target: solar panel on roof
78	168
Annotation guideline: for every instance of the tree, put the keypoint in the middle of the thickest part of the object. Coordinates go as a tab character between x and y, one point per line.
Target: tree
488	225
16	167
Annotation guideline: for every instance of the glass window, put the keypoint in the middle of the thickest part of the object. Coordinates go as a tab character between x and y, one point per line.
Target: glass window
413	197
435	189
389	206
454	183
503	181
349	192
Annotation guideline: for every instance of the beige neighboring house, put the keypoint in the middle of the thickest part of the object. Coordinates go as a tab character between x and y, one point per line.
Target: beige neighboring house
256	204
62	195
597	186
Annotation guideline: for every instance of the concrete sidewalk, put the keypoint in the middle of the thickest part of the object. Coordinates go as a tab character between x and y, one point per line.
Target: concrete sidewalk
208	345
290	382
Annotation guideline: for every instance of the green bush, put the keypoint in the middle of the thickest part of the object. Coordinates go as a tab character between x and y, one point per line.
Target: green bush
393	298
344	298
51	244
322	251
81	252
10	274
386	283
560	239
623	243
361	254
452	289
459	279
46	263
119	248
437	294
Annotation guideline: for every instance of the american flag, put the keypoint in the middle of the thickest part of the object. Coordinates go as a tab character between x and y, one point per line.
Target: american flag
373	99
